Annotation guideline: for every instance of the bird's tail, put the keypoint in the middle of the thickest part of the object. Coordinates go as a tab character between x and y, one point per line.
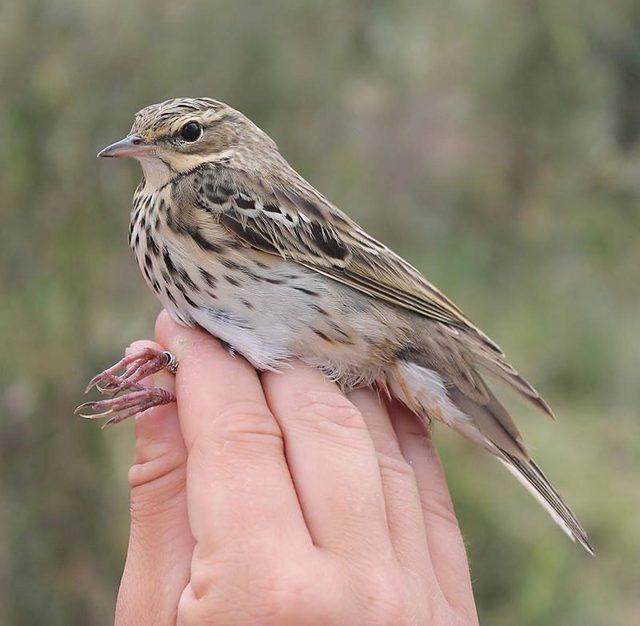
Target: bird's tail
485	421
532	477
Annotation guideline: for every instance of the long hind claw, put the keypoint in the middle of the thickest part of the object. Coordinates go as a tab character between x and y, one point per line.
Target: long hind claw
127	405
137	365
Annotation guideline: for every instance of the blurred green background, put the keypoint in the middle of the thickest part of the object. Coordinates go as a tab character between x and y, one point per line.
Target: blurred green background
495	143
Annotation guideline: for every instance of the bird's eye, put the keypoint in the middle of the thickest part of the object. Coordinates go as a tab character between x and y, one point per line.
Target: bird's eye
191	131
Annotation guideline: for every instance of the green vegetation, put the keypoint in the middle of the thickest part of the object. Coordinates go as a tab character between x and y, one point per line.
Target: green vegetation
494	143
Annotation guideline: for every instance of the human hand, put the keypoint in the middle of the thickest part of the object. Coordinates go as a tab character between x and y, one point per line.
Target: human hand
274	499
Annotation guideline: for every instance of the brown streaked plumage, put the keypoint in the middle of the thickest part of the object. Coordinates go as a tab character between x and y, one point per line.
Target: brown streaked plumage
231	238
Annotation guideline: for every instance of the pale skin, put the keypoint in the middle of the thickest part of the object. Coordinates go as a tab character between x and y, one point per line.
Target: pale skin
274	499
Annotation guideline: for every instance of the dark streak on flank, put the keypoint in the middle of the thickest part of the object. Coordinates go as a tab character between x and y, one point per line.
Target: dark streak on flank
306	291
231	280
230	264
189	300
208	278
229	318
319	309
344	337
321	335
252	275
187	279
247	304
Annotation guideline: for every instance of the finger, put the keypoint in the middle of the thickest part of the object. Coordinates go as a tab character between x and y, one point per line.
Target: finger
444	539
240	493
332	461
160	541
402	500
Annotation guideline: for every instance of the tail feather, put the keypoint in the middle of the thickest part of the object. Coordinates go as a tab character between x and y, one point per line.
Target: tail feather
494	423
532	477
485	421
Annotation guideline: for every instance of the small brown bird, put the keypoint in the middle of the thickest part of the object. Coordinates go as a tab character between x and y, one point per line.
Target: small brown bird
232	239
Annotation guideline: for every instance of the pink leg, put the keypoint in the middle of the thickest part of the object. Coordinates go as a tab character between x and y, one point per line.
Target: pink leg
137	365
126	405
134	368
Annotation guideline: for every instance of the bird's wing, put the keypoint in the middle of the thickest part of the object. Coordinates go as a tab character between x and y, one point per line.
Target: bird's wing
299	224
291	219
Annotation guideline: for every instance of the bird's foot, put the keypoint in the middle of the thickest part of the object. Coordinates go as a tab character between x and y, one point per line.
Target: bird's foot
127	405
126	375
133	367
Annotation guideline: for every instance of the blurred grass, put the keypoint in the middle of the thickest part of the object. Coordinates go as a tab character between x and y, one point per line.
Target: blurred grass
494	143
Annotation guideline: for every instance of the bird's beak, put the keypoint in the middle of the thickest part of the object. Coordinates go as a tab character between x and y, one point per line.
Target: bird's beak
131	146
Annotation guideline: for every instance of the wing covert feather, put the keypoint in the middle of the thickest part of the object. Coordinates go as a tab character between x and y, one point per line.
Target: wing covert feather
297	223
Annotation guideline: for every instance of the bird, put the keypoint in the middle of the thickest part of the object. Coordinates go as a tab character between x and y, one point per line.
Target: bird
233	240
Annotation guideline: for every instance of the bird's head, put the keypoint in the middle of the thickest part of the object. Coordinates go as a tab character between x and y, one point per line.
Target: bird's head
179	135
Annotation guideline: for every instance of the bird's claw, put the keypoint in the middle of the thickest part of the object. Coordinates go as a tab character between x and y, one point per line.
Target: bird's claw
133	368
127	405
136	366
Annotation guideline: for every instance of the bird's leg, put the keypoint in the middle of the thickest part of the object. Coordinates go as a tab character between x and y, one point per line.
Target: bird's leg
127	405
133	368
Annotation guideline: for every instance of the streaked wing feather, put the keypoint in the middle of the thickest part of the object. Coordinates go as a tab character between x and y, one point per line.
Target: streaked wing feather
311	231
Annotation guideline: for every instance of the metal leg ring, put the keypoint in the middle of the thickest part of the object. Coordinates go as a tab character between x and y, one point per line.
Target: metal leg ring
172	362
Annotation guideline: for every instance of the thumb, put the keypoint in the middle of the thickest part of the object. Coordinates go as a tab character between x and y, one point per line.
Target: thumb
160	542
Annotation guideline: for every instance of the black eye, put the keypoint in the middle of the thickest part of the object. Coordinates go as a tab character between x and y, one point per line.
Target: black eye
191	131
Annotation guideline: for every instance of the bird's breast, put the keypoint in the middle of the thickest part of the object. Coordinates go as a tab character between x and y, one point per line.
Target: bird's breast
267	308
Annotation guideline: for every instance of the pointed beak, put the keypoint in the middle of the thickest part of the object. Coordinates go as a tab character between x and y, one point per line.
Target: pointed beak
131	146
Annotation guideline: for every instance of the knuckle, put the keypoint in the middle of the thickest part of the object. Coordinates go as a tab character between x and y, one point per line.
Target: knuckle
239	592
247	422
161	466
150	498
248	415
329	407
